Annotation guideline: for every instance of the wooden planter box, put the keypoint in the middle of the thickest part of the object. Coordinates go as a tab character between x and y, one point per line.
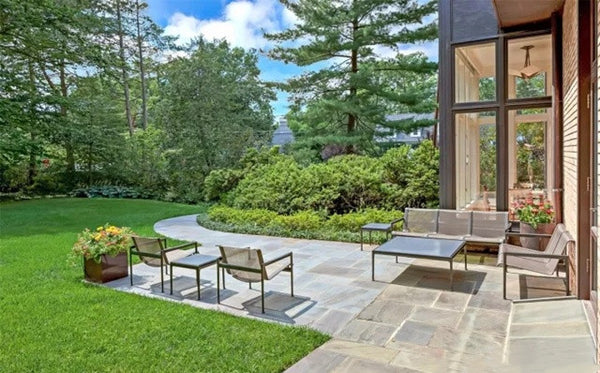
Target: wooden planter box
109	269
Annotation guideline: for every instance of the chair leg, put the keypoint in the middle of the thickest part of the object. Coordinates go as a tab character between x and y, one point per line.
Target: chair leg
504	278
361	240
130	269
262	294
249	285
219	285
292	280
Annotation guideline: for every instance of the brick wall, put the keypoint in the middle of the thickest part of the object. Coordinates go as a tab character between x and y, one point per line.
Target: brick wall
570	117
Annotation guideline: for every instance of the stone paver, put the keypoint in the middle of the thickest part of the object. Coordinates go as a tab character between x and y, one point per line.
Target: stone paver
415	333
408	320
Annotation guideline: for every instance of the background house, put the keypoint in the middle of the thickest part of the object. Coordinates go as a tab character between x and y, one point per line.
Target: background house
383	135
283	134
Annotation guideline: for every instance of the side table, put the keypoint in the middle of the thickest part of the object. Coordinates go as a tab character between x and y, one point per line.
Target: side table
375	227
197	262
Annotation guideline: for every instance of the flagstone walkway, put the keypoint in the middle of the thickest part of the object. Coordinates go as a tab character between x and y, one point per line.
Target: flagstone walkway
408	320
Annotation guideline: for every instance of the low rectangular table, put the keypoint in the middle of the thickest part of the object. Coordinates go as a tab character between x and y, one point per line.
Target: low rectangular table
423	248
195	261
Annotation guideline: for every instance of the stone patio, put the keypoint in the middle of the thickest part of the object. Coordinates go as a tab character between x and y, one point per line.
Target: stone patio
408	320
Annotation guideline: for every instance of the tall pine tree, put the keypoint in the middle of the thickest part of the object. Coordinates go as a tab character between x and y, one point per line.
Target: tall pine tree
338	103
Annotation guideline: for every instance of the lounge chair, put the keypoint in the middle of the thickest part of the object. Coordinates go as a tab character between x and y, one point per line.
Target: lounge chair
247	265
543	262
153	251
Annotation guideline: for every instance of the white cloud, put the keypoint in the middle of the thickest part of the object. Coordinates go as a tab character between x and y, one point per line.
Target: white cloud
242	24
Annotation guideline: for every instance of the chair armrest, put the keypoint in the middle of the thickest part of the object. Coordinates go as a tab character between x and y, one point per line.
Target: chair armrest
518	234
221	264
540	255
396	221
183	246
271	261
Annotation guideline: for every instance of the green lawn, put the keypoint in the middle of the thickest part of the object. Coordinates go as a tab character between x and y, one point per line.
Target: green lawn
51	321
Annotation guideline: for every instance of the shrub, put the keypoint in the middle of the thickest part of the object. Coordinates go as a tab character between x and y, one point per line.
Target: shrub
358	182
282	187
301	221
110	191
231	215
219	182
403	177
353	221
411	176
303	224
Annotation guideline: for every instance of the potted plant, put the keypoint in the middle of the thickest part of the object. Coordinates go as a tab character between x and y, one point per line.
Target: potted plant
104	252
536	216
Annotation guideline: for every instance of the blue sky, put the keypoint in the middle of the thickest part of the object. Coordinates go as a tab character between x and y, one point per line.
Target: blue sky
241	22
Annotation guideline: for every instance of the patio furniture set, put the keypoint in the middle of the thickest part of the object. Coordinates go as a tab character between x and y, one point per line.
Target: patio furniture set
433	234
244	264
438	234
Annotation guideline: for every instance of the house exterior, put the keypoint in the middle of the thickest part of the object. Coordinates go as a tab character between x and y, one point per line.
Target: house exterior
409	138
283	135
519	114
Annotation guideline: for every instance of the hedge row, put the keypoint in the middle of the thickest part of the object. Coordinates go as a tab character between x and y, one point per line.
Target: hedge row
303	224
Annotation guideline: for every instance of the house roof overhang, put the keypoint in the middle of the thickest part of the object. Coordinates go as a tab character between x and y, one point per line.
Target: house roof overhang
513	13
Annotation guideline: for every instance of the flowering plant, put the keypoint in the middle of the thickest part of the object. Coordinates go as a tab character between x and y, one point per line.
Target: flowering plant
106	239
533	212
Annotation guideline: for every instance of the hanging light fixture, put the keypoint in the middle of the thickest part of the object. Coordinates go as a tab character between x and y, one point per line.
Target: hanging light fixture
528	71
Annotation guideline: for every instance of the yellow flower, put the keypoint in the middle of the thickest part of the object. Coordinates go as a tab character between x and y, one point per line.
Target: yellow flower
99	229
97	237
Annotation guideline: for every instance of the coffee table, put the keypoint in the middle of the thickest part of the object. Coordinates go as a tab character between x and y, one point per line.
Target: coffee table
423	248
195	261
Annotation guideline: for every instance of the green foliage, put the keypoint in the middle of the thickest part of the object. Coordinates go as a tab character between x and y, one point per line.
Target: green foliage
530	154
302	224
110	191
411	176
282	187
145	165
213	108
340	102
301	221
487	149
104	240
403	177
57	323
533	212
219	182
352	221
239	217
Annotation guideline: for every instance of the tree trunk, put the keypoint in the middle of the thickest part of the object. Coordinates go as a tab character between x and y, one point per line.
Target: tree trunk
70	153
124	74
141	65
436	116
31	169
351	126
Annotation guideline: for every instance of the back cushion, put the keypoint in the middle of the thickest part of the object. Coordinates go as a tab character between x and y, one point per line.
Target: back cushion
454	223
490	224
420	220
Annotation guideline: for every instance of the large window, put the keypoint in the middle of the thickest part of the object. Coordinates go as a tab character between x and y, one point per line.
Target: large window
475	71
475	137
531	155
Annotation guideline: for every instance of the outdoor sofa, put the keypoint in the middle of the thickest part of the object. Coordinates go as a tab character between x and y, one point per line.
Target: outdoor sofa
474	227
